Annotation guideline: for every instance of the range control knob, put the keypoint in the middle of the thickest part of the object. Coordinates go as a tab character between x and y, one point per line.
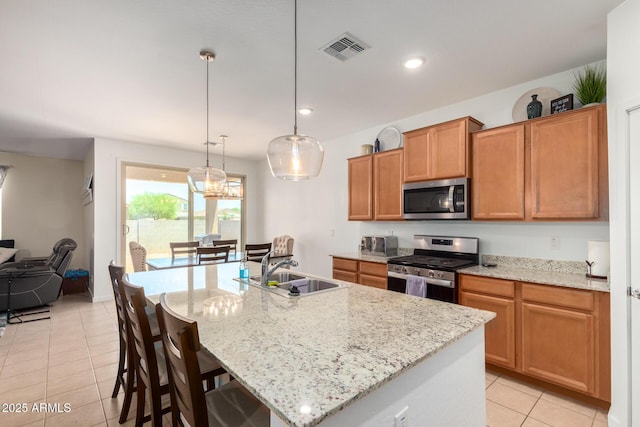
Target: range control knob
440	274
431	273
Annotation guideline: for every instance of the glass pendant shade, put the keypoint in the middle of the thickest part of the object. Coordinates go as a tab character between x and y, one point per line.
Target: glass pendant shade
211	182
295	157
233	189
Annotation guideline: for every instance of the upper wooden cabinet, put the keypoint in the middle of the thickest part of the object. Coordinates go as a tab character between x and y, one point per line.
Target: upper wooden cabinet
387	185
497	186
564	165
439	151
375	186
552	168
361	188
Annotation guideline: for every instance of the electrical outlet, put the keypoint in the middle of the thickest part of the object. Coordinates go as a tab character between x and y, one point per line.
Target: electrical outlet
402	418
554	243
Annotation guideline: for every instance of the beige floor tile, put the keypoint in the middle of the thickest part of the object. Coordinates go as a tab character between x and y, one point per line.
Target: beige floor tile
112	407
62	348
34	377
105	359
569	403
30	393
530	422
68	357
491	375
518	385
599	423
105	387
106	372
100	339
39	423
70	383
23	368
69	368
511	398
24	356
76	398
87	415
499	416
602	415
114	423
104	347
559	416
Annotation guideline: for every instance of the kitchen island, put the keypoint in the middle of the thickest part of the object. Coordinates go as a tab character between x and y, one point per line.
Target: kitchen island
349	356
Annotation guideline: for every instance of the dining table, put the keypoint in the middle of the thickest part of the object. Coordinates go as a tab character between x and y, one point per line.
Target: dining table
352	355
185	261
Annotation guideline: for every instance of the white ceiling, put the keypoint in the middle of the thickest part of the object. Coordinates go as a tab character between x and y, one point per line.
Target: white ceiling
130	70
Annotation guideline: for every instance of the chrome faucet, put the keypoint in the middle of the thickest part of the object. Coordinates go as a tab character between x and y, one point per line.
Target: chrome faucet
266	272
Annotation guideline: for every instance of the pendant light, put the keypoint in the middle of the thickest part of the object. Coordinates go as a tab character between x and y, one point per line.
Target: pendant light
209	181
232	188
295	157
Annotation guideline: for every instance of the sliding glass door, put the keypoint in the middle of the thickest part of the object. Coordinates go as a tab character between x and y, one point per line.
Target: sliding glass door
159	208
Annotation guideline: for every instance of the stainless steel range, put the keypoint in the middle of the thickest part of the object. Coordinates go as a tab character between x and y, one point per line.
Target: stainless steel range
437	259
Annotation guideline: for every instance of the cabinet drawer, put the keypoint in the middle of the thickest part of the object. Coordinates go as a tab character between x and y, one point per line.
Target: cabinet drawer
373	281
563	297
505	288
373	269
345	264
347	276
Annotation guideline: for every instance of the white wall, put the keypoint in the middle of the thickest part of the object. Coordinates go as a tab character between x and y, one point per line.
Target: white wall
108	157
623	88
41	204
315	211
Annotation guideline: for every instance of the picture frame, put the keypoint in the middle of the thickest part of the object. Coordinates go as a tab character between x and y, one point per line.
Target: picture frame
564	103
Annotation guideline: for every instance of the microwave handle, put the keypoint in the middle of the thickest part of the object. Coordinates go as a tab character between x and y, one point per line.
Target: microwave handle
452	207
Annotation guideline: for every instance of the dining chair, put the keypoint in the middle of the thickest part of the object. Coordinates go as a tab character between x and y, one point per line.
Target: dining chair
255	252
210	254
126	359
228	405
138	256
125	377
183	248
232	243
151	368
282	249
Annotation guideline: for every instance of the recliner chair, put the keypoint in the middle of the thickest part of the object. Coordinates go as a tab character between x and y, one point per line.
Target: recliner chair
35	281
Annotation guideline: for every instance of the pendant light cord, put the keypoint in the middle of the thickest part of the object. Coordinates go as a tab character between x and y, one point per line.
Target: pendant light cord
207	141
295	67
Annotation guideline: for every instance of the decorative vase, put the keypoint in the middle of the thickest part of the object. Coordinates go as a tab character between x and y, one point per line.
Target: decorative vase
534	108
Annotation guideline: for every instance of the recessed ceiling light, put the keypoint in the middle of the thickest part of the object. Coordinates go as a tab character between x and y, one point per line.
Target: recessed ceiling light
414	62
305	111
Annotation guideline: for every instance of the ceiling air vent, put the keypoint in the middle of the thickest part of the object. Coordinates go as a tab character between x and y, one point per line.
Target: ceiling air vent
345	47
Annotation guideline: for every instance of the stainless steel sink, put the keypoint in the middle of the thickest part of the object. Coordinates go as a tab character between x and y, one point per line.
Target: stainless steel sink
283	276
308	286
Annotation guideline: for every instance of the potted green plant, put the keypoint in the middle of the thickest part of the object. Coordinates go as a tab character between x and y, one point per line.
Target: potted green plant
590	86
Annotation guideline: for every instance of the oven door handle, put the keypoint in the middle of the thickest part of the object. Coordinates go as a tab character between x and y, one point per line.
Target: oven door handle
430	280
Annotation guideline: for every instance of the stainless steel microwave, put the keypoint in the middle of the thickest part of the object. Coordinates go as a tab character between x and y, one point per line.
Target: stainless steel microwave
444	199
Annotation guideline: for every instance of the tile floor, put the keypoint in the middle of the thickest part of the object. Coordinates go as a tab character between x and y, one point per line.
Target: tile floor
72	359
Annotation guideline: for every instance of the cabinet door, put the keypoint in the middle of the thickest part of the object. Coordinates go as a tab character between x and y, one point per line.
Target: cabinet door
499	333
387	175
558	345
564	166
361	188
498	173
415	155
447	155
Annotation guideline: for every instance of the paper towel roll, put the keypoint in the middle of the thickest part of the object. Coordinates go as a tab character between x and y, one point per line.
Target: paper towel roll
598	254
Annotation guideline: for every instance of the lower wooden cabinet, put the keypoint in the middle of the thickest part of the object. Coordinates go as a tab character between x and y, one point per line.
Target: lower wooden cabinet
555	334
499	333
363	272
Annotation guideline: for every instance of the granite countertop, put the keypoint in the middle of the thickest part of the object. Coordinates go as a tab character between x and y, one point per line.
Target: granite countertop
568	274
308	357
360	257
